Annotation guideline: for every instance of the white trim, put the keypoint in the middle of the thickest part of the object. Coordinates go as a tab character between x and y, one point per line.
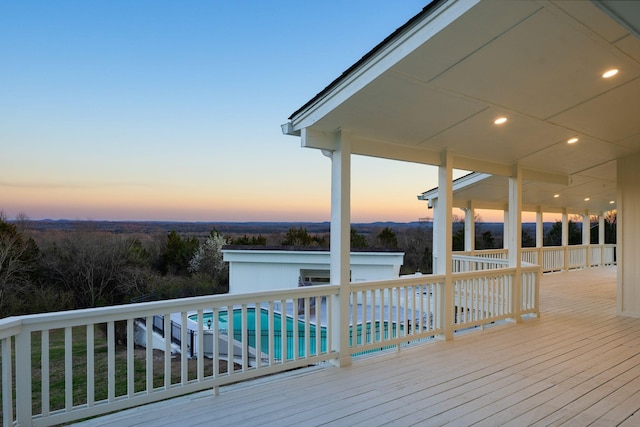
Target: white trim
388	56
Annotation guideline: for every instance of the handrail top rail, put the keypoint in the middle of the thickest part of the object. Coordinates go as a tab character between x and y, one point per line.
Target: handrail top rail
78	317
480	259
408	280
10	326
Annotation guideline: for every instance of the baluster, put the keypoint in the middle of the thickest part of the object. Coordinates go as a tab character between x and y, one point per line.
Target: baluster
111	361
130	358
90	365
68	368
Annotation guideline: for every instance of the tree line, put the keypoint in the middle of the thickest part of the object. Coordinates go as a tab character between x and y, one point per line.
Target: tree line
85	268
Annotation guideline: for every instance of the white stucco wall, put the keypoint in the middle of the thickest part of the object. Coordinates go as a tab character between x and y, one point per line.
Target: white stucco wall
265	270
628	236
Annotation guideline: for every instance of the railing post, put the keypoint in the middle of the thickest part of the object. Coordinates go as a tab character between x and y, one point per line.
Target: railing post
447	308
7	384
588	256
536	291
24	414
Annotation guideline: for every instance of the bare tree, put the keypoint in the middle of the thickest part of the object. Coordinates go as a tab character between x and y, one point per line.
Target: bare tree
98	268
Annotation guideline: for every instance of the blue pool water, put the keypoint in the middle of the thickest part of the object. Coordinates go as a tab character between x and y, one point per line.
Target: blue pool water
264	332
289	332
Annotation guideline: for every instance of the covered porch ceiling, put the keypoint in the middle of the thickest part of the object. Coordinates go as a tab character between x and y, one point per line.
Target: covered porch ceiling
485	191
440	81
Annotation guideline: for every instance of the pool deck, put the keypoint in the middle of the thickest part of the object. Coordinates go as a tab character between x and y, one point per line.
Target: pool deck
578	364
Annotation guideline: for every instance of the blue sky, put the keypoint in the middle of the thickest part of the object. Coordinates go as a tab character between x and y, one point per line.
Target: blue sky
157	110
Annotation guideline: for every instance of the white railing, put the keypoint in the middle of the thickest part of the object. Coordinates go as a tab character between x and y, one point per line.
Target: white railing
489	296
464	263
479	300
553	259
393	312
577	256
603	255
413	308
530	255
485	253
559	258
87	361
530	289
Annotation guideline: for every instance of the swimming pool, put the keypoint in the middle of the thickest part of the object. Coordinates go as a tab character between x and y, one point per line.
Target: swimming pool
264	332
361	337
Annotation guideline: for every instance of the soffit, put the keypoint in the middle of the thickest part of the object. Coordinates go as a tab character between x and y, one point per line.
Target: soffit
492	193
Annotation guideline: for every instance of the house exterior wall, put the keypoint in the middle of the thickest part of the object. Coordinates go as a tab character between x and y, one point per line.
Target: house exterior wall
628	238
264	270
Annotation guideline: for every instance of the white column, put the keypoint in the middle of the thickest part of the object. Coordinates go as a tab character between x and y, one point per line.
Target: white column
341	244
601	228
469	228
540	236
565	238
586	229
565	228
435	227
444	243
505	229
514	254
586	238
539	229
628	236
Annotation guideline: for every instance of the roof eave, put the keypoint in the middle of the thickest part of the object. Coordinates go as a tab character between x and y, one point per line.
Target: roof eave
291	127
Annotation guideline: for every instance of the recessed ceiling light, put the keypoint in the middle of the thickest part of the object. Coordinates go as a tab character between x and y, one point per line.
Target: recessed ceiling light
586	199
610	73
500	120
612	202
572	140
556	195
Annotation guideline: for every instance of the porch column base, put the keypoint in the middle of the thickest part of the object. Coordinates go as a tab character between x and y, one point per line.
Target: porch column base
447	336
342	361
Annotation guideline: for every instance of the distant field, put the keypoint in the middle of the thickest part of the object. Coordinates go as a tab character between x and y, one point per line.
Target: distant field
241	228
154	227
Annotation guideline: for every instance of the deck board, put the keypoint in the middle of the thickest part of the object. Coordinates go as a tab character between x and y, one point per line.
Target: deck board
578	363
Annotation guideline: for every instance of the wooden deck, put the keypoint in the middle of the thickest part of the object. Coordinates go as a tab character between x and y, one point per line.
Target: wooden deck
578	364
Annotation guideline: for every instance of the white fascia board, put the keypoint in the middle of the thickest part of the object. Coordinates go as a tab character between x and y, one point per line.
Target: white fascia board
275	256
308	257
458	184
311	138
547	177
377	258
482	166
479	204
387	57
372	148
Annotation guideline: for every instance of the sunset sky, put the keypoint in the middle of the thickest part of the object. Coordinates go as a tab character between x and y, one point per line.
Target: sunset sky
167	110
